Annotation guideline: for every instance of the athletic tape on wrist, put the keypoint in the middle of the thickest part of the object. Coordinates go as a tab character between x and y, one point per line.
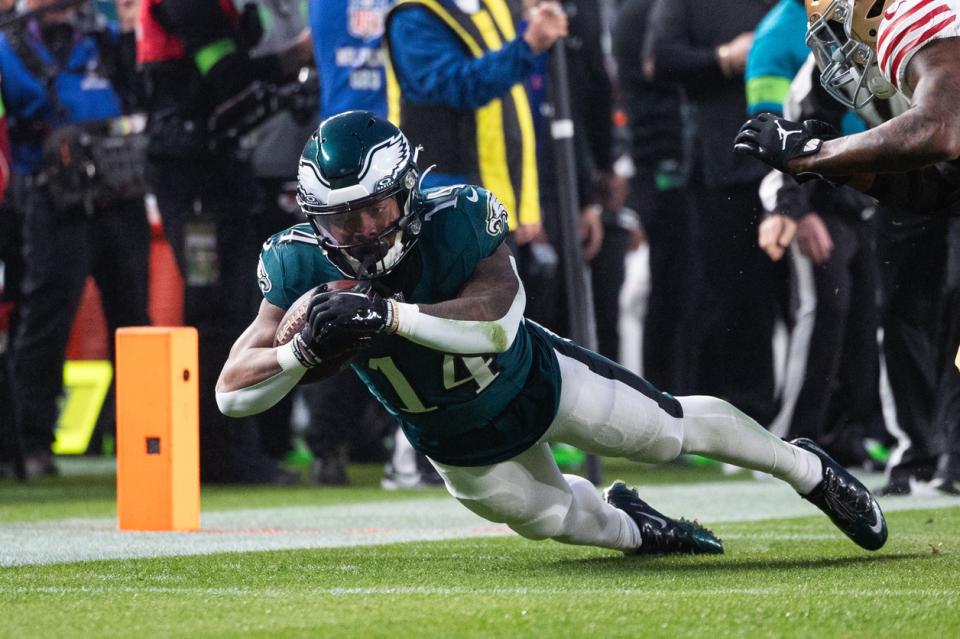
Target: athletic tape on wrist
290	357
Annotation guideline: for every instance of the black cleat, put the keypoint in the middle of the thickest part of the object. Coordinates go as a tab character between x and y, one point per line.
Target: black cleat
660	534
846	501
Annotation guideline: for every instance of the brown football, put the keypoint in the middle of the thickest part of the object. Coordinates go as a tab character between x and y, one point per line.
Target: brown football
293	321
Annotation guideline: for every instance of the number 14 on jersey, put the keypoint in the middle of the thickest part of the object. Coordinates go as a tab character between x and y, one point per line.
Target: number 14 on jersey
479	371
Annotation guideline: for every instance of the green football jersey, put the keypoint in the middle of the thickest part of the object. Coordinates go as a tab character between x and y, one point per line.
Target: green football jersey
465	410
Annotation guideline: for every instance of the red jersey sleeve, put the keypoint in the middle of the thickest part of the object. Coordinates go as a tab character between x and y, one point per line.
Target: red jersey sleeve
908	26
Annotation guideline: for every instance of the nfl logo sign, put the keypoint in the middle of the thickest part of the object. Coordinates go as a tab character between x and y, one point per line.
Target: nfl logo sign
365	18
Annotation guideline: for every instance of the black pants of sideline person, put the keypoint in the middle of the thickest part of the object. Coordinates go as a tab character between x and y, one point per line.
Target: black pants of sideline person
11	446
607	272
60	249
208	208
912	254
736	299
839	399
666	218
947	415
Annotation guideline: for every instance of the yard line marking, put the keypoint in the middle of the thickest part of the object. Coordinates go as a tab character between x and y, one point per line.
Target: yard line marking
357	524
445	591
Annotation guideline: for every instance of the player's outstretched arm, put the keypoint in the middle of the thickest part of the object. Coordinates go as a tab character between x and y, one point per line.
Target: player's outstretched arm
927	133
256	375
483	318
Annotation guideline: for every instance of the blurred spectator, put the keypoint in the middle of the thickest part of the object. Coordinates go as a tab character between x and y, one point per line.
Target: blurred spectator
9	435
831	387
703	47
455	84
458	69
912	258
655	115
912	252
347	46
909	160
591	103
347	38
274	149
5	167
778	51
195	55
58	87
913	261
946	477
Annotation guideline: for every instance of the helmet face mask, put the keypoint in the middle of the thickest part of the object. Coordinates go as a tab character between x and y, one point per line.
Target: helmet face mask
358	186
362	242
843	37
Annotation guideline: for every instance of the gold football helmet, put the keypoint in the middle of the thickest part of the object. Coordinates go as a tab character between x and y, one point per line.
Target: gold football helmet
843	37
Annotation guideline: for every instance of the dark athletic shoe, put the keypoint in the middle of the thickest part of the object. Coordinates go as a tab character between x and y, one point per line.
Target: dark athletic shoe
660	534
846	501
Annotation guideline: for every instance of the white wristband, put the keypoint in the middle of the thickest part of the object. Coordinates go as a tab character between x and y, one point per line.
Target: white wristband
287	359
407	318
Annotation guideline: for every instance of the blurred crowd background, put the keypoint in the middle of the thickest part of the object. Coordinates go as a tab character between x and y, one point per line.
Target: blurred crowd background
150	146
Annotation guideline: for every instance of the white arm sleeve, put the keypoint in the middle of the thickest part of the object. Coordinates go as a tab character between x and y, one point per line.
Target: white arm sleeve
463	337
263	395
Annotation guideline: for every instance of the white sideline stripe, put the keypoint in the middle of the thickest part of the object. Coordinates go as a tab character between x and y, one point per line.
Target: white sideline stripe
345	525
424	590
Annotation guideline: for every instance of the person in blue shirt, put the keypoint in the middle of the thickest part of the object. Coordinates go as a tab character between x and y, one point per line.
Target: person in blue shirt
346	44
54	77
455	84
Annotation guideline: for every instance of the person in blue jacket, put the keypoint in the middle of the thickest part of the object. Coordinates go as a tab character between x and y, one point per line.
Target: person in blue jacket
455	84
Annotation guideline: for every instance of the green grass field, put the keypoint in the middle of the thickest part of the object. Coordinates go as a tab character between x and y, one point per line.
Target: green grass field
781	577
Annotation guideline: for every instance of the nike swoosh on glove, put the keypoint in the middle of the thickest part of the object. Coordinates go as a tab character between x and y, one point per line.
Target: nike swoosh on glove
775	141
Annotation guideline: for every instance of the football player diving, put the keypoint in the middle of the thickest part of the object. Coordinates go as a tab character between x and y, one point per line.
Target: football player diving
869	49
435	328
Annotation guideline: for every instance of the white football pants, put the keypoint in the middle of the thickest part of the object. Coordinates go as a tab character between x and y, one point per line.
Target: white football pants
615	418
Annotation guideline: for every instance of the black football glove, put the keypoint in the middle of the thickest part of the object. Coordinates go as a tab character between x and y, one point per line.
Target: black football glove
775	141
347	316
314	345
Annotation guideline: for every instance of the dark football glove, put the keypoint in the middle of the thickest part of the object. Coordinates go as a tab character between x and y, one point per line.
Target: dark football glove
315	345
347	316
775	141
